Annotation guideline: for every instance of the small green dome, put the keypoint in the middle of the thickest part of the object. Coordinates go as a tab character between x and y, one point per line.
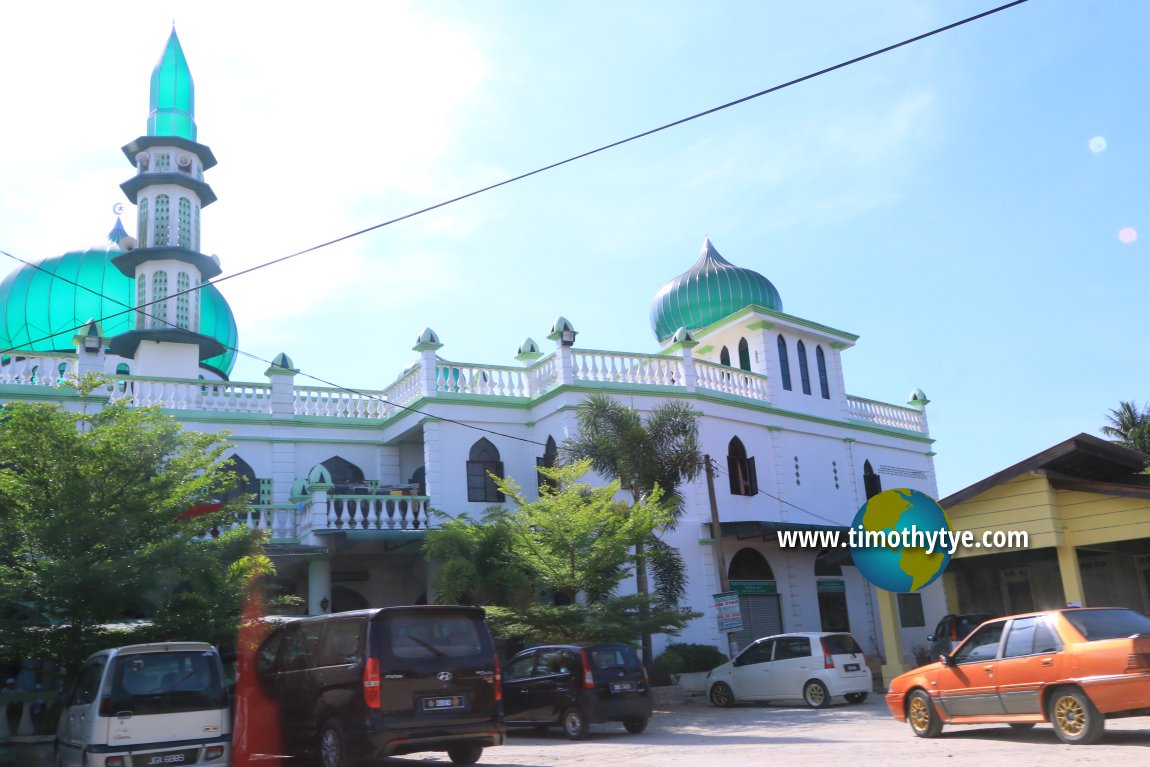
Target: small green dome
713	288
41	313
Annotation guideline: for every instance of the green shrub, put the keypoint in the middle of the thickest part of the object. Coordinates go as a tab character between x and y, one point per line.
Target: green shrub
685	659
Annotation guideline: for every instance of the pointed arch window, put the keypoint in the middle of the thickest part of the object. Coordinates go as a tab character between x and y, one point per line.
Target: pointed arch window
741	469
142	222
483	461
183	283
160	237
804	370
159	309
185	223
784	363
548	460
725	356
821	363
141	299
744	354
872	483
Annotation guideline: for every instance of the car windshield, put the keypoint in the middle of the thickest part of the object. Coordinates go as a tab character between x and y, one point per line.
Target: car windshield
841	644
1108	624
614	657
166	682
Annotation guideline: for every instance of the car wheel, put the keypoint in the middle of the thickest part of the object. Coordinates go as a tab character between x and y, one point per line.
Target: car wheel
855	697
635	724
574	723
332	750
1022	725
722	695
815	694
1074	717
924	721
464	754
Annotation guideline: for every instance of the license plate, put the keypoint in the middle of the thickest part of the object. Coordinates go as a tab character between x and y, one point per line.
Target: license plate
165	758
622	686
851	667
444	703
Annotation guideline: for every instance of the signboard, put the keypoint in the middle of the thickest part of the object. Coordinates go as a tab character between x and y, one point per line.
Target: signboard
729	614
754	587
831	587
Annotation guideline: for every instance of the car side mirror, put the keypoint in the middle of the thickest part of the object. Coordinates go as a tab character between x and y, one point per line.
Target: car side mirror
945	660
930	637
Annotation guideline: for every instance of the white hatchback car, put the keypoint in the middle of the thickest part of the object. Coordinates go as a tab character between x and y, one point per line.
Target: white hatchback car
813	666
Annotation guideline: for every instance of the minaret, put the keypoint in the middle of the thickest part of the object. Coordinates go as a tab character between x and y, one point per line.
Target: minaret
168	191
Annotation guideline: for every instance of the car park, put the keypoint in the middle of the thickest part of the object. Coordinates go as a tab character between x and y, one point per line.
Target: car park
572	687
812	666
952	629
161	703
369	684
1074	668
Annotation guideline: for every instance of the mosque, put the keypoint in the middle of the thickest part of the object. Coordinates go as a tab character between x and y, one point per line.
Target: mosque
343	481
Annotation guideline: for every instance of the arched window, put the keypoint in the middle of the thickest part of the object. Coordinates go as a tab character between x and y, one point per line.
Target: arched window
744	354
548	460
872	483
749	565
142	222
741	469
821	362
784	363
183	283
141	299
160	236
419	477
247	485
804	370
343	472
725	357
123	370
484	458
185	223
159	309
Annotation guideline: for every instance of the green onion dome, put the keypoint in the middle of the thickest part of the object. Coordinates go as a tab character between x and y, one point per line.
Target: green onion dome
713	288
42	306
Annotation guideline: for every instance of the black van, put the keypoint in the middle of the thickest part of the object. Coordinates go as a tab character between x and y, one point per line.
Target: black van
368	684
573	686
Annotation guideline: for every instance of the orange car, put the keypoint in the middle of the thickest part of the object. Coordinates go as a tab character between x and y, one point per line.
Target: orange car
1074	668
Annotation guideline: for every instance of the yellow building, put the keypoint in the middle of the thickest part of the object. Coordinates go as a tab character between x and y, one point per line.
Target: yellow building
1085	506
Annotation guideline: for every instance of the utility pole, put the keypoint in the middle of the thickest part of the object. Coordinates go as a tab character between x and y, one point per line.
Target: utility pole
717	544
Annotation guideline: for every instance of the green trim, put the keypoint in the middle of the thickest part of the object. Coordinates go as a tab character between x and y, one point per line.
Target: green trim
849	439
788	318
838	346
704	350
761	325
773	427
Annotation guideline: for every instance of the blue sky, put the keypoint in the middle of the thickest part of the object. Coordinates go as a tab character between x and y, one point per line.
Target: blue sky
942	201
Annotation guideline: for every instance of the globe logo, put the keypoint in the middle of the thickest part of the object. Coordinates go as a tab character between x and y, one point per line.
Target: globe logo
900	540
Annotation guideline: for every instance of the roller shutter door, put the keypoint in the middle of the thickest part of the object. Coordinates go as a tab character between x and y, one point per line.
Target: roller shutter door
762	616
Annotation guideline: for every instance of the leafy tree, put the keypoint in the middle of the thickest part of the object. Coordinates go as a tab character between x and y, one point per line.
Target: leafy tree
95	524
576	541
1129	425
656	454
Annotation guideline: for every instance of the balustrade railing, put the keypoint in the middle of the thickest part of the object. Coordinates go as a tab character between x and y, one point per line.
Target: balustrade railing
182	394
730	380
339	403
612	367
388	512
480	379
31	369
885	414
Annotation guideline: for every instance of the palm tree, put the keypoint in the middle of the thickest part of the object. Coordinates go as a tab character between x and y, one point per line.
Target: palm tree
1129	425
661	451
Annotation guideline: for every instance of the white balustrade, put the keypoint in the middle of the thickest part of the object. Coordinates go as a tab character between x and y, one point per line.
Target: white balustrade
31	369
735	381
884	414
544	374
476	379
183	394
613	367
405	389
377	512
339	403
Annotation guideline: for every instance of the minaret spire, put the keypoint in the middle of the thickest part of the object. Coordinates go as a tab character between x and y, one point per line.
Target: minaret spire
173	94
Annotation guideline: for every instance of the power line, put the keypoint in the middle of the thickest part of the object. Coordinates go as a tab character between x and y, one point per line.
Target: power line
237	350
760	491
582	155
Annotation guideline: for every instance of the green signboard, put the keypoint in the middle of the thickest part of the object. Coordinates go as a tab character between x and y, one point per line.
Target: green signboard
755	587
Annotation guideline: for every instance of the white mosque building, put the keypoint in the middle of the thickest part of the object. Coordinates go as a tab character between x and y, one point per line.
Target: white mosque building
342	482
